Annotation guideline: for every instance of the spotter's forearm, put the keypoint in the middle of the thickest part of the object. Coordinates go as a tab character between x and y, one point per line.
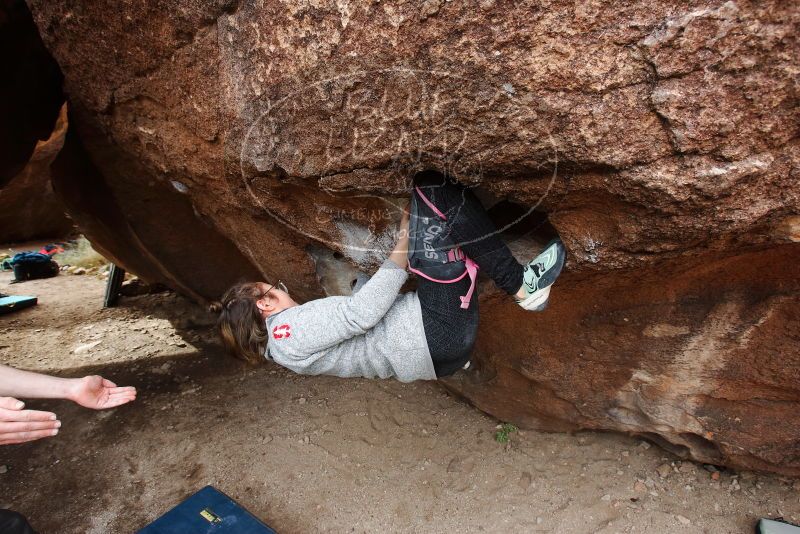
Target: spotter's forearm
29	385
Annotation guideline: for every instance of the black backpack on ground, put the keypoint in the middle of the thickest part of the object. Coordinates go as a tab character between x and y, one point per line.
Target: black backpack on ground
33	265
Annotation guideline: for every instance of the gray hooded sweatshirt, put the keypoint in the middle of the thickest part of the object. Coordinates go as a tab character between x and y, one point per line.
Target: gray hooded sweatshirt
373	333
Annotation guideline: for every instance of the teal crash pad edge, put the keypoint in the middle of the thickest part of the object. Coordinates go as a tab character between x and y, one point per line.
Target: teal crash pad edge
16	303
769	526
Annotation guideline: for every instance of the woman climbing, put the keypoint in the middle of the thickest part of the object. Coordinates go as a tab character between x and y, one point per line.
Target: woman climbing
376	332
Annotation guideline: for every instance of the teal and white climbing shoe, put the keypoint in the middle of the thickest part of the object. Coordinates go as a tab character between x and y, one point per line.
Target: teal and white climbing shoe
540	274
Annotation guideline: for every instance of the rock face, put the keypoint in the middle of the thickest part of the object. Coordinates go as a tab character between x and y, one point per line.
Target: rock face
29	208
221	140
30	138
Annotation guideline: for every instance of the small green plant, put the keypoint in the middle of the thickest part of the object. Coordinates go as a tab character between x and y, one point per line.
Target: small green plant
504	432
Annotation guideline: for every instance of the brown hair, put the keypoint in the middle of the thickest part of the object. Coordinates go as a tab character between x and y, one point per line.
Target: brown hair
241	326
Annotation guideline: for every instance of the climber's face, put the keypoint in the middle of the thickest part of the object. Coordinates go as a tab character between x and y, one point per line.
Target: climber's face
274	298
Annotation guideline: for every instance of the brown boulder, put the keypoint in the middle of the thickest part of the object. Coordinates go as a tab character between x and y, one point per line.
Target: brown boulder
30	88
30	136
660	140
29	208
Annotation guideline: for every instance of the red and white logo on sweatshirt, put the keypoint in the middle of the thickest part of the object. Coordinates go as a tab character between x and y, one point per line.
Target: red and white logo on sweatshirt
282	331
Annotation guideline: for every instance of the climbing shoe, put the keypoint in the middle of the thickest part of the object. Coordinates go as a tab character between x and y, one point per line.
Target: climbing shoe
540	274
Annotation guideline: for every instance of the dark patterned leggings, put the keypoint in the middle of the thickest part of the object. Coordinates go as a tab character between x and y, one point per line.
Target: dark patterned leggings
450	330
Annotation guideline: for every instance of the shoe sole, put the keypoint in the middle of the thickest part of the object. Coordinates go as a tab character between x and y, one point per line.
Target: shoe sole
536	301
542	307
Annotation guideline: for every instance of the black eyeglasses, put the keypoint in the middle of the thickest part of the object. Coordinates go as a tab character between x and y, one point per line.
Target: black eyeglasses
279	285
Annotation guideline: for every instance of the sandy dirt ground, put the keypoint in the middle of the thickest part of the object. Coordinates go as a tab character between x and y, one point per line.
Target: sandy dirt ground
319	454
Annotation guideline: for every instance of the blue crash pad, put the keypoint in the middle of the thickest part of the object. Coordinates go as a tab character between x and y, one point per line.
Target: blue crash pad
15	303
208	511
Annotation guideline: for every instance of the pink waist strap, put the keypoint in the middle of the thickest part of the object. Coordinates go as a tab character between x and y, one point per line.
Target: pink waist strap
471	271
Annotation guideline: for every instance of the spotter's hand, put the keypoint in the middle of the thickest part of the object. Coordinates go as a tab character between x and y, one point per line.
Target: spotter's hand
18	425
99	393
